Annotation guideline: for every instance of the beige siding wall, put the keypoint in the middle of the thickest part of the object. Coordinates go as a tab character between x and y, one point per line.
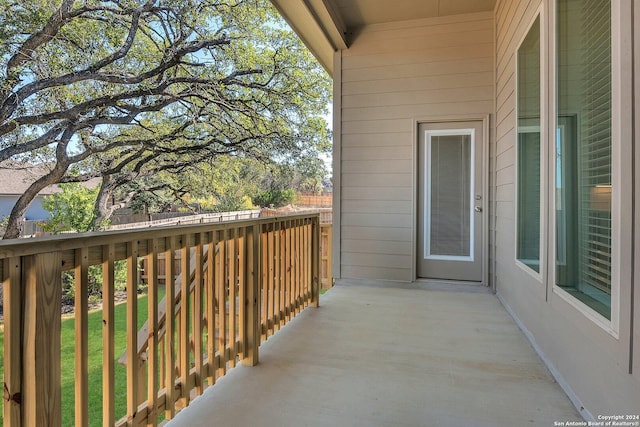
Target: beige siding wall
592	364
391	76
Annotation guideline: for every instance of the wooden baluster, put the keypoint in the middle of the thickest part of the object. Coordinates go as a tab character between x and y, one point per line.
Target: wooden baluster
12	285
211	307
132	331
270	284
315	263
197	312
264	281
233	283
286	259
222	297
81	302
283	271
297	269
108	333
242	286
41	354
307	263
183	325
161	366
276	276
152	345
170	361
301	264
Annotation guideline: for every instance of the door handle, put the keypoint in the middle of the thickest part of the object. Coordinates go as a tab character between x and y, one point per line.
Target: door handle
478	209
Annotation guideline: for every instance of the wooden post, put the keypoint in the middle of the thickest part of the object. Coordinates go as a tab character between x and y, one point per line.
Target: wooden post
315	261
12	286
41	357
253	286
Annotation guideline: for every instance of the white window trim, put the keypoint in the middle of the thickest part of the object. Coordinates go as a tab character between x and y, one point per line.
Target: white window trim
618	241
540	274
427	198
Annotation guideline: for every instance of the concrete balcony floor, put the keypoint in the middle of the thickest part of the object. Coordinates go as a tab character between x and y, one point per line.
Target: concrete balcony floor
401	355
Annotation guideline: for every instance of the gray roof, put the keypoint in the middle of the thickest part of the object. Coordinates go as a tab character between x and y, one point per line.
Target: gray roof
15	178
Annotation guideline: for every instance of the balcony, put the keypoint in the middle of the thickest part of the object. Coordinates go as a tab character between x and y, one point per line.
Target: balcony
422	354
375	354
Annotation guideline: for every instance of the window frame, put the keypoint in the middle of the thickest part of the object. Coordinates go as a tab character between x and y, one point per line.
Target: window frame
621	166
542	268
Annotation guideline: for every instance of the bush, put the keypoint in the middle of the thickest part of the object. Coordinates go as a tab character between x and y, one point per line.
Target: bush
274	197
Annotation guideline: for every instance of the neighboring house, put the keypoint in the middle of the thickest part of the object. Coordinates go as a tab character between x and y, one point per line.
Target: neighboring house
14	181
494	141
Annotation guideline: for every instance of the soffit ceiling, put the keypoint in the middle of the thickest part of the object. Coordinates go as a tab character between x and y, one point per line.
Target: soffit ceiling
357	13
326	26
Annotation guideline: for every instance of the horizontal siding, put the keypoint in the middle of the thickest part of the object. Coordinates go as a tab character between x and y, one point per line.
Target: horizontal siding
457	80
512	21
398	152
366	206
404	194
384	234
437	109
392	75
599	380
418	97
389	166
377	180
477	63
376	247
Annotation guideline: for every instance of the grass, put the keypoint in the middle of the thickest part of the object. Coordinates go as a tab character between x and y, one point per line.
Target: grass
94	363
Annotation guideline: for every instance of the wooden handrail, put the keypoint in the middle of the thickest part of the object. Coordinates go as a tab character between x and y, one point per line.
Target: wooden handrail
267	268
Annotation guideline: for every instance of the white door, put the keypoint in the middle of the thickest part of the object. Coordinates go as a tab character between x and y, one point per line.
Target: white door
450	201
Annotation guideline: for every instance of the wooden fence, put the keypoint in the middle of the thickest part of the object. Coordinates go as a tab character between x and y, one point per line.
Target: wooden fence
239	283
315	200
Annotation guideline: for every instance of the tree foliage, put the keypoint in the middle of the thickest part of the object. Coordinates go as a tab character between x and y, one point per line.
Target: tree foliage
128	90
71	209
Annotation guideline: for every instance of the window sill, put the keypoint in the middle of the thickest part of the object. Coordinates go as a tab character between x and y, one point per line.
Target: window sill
587	311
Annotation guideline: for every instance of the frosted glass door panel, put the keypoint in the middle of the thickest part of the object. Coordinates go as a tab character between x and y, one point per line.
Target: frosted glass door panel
450	196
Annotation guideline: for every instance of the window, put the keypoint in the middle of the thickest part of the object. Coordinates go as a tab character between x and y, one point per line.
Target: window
528	149
583	151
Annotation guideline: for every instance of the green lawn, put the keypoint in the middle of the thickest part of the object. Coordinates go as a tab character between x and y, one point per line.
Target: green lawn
94	363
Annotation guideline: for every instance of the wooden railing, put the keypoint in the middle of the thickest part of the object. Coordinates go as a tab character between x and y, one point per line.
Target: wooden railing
243	281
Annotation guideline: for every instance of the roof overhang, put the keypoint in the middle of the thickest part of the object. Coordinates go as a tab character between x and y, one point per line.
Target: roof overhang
327	26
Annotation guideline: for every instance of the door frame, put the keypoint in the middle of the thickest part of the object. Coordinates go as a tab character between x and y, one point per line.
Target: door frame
489	199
